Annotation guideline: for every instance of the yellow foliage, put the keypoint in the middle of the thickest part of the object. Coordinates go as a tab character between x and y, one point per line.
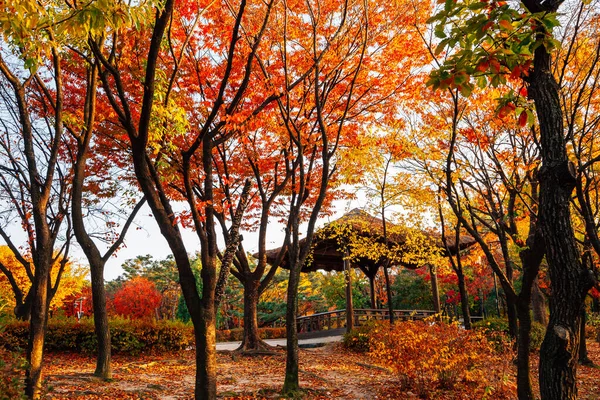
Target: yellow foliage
72	280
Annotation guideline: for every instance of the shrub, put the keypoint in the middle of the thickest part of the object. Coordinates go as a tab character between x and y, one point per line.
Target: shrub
536	336
359	339
426	355
127	336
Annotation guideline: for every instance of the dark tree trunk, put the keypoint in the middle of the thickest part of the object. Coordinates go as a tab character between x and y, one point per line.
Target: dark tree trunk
569	279
464	298
291	383
524	390
103	368
372	292
349	301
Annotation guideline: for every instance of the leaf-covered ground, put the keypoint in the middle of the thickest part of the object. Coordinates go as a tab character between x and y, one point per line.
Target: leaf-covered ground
326	373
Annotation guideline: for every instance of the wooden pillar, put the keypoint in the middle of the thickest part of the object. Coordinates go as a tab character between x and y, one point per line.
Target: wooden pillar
349	304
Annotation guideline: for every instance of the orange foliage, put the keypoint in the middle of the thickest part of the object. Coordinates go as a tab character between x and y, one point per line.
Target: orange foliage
427	356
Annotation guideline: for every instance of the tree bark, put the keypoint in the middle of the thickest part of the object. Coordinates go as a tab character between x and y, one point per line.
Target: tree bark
291	383
569	279
349	302
37	325
103	368
251	340
206	355
388	289
464	297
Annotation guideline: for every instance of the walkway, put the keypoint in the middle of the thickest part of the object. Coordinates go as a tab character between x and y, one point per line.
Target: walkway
302	343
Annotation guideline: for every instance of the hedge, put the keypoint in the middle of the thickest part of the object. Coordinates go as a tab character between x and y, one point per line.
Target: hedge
127	336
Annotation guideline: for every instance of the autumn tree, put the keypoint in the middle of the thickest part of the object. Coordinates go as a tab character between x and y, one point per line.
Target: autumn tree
213	79
138	298
517	40
34	180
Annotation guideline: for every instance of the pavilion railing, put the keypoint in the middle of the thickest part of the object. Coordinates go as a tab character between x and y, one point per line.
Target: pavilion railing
337	319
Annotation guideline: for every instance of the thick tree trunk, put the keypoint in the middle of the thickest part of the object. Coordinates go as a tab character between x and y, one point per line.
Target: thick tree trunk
464	298
569	280
251	340
291	383
435	289
103	368
538	304
511	313
206	355
37	329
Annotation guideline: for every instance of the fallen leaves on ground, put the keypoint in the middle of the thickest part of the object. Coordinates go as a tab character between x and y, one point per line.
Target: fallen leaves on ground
329	372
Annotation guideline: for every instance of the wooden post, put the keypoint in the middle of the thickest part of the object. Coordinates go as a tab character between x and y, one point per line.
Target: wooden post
349	305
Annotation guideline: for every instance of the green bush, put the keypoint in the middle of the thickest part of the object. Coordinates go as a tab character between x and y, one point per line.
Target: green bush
536	336
127	336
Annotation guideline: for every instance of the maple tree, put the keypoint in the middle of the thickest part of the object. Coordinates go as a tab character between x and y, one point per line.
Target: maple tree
138	298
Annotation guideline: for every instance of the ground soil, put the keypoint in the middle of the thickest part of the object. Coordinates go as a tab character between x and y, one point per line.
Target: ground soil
329	372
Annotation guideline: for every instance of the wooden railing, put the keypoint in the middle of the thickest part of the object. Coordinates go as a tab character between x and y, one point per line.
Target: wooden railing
337	319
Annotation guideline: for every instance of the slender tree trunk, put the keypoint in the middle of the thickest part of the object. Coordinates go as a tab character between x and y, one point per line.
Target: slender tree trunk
388	289
435	289
524	390
37	329
349	302
103	368
291	383
372	291
464	298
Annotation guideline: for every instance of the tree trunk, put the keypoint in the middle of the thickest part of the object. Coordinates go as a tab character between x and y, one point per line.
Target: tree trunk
464	298
435	289
569	279
538	304
37	329
388	289
524	390
511	312
206	355
103	368
251	340
349	302
291	383
372	291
